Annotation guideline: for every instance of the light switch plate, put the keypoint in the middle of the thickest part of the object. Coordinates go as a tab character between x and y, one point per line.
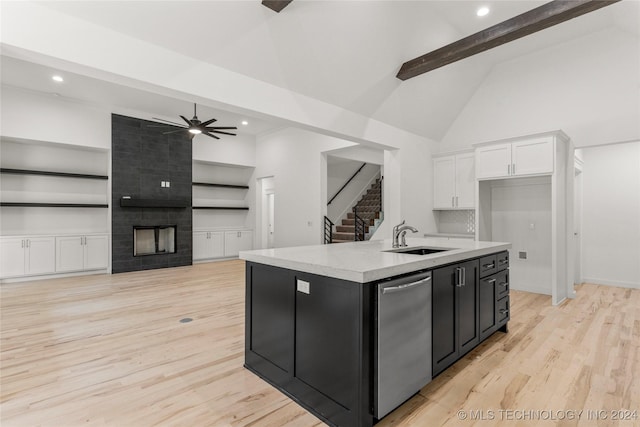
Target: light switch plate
303	287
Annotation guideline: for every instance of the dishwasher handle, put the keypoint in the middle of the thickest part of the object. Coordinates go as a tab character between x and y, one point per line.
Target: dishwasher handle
400	288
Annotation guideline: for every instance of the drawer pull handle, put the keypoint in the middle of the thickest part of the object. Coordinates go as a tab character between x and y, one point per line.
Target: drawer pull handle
488	265
504	261
504	311
504	284
491	281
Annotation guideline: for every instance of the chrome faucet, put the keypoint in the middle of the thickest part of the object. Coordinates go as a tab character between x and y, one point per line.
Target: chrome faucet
399	234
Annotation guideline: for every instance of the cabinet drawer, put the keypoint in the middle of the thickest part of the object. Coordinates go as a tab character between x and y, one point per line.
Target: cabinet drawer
502	284
502	260
502	310
487	265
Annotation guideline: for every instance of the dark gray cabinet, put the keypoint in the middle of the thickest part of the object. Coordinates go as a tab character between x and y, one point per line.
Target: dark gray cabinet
311	337
494	293
455	313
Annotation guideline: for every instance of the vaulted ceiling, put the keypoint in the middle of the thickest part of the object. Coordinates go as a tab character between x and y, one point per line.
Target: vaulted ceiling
346	53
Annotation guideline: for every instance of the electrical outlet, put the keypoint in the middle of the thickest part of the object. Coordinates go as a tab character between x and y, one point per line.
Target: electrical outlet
162	184
167	184
304	287
522	255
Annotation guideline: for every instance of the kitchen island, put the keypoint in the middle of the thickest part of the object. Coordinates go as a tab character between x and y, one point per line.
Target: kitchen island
352	330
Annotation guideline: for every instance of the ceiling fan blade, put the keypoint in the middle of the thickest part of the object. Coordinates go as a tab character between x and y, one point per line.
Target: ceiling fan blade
186	120
208	134
173	131
208	122
168	121
221	127
225	133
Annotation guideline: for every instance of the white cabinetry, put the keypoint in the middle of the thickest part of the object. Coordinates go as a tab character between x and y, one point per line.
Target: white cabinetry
454	181
80	253
236	241
208	244
520	158
22	256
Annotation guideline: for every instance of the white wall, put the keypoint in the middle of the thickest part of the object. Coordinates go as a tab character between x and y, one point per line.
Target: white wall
521	214
611	215
293	157
42	117
588	87
235	150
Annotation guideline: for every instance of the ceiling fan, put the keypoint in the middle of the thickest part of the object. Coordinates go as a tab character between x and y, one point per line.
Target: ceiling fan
195	126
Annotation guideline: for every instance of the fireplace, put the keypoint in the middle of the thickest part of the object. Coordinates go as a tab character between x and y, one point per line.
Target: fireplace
154	240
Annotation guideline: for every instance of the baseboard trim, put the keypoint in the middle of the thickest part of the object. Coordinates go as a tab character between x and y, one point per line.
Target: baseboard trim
614	283
52	276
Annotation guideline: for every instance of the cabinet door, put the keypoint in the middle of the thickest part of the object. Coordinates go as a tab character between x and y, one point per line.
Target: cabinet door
444	178
236	241
465	181
270	322
41	255
487	306
245	241
493	161
69	253
96	252
444	351
468	308
201	245
12	257
216	244
534	156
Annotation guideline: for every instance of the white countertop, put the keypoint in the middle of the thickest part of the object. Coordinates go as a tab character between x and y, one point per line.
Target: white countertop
364	262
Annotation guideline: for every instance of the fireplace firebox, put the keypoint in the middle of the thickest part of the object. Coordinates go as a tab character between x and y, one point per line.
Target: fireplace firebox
154	240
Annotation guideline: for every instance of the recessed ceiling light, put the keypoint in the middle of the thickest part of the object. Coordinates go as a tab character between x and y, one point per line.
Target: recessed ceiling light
483	11
58	79
244	123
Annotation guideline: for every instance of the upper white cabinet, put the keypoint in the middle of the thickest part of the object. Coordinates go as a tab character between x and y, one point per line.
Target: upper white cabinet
454	181
80	253
22	256
533	156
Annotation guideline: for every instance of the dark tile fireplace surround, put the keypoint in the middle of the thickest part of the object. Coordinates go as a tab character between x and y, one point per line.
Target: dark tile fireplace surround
143	158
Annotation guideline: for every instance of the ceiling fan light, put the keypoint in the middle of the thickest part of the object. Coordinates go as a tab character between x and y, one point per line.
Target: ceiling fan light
195	131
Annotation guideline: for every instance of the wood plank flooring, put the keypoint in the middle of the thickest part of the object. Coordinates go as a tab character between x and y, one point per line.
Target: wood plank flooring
110	350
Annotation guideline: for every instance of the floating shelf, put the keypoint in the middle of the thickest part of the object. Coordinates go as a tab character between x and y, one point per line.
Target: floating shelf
53	205
49	173
237	208
154	203
207	184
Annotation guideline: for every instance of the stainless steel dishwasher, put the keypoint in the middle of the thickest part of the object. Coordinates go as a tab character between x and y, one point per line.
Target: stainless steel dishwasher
403	340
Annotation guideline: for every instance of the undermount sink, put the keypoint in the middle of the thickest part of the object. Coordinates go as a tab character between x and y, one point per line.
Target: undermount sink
419	251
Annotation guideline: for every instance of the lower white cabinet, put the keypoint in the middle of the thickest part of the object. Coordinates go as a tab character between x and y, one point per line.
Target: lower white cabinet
236	241
208	244
23	256
82	252
221	243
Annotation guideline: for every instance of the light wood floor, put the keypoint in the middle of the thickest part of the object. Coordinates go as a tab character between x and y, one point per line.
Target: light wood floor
111	351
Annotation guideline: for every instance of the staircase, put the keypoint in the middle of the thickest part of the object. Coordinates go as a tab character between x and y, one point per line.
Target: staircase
368	208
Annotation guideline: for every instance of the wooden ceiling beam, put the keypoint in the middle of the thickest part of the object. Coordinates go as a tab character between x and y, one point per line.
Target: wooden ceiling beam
535	20
276	5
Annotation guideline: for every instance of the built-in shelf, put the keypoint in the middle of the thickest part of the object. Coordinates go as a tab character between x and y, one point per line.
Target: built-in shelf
236	208
53	205
49	173
153	203
208	184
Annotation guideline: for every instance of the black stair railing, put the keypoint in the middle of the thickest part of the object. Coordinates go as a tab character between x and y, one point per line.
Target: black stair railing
328	231
359	228
346	183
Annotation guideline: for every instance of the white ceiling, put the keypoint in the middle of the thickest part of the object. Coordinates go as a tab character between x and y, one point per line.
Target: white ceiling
120	99
343	52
